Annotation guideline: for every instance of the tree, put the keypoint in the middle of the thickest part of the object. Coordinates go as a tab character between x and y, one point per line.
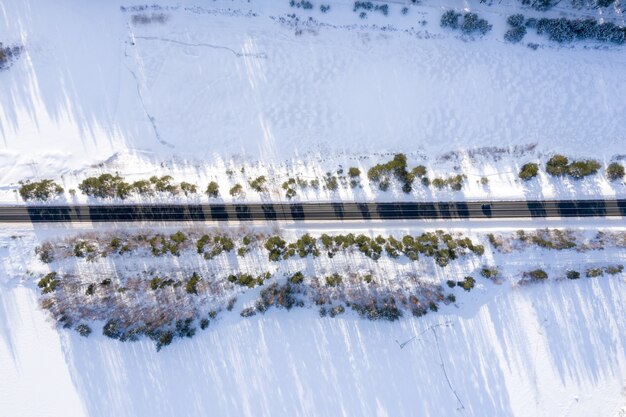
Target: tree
557	165
213	190
40	190
615	171
529	171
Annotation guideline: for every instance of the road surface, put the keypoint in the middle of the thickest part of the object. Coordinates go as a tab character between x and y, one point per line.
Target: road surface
313	211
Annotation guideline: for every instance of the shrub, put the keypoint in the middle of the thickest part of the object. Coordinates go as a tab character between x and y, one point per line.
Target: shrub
472	23
451	298
515	35
354	172
48	283
419	171
538	274
572	274
541	5
190	288
188	188
467	284
451	283
236	190
248	312
258	184
615	171
40	190
112	329
297	278
614	269
105	186
515	20
324	8
581	169
594	272
396	167
275	246
557	165
213	190
489	272
165	338
334	280
83	330
450	19
529	171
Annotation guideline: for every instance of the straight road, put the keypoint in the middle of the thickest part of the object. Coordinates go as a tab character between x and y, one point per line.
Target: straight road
314	211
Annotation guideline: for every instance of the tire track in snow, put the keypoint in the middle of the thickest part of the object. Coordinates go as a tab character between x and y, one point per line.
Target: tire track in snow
205	45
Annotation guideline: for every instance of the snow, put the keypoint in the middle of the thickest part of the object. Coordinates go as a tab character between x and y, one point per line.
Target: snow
554	348
227	85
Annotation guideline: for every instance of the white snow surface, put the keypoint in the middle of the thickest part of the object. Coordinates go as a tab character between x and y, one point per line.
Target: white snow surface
554	349
225	84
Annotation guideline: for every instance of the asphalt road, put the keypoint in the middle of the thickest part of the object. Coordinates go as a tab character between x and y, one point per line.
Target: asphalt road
314	211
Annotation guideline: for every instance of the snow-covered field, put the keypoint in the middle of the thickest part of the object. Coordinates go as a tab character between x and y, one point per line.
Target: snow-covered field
554	348
223	85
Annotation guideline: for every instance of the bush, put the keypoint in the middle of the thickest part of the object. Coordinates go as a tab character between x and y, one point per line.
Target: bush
248	312
190	288
354	172
112	329
165	339
105	186
275	245
451	283
467	284
324	8
213	190
40	190
297	278
615	269
538	274
557	165
489	272
396	167
48	283
594	272
258	184
581	169
615	171
236	190
450	19
334	280
541	5
472	23
515	35
572	274
188	188
83	330
529	171
516	20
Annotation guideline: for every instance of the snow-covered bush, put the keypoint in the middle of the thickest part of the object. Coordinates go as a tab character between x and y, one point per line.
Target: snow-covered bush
258	184
529	171
538	274
515	35
213	189
369	6
40	190
304	4
471	23
615	171
236	191
541	5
